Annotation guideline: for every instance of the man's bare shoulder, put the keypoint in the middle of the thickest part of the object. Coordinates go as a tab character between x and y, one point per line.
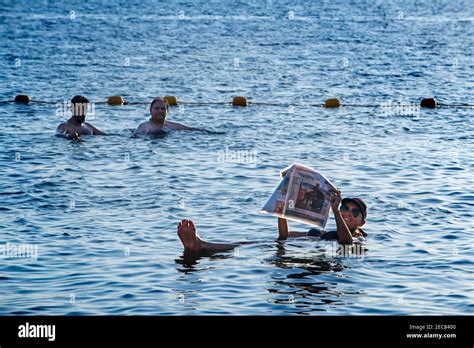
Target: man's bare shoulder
62	127
144	127
172	124
177	126
89	126
145	123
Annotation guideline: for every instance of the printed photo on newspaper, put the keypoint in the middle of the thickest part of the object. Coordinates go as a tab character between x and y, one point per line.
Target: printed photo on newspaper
303	195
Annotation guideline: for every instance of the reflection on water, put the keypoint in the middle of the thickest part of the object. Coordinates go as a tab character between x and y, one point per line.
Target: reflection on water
314	262
190	260
303	286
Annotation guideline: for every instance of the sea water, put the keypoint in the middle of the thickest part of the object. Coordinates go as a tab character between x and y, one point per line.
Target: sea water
90	228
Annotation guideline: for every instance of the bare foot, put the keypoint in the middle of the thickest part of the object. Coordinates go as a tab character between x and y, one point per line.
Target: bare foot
187	234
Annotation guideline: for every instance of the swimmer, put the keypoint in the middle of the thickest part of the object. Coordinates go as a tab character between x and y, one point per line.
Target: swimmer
350	218
76	126
157	123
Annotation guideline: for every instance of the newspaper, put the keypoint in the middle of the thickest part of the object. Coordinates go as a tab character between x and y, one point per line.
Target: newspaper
303	195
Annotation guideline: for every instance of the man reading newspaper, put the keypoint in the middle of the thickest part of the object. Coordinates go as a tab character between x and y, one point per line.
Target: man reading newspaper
303	195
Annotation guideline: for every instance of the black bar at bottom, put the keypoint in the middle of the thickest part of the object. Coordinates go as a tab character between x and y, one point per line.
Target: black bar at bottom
332	330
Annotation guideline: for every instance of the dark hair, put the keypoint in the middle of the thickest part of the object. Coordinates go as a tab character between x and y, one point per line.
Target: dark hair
164	100
79	99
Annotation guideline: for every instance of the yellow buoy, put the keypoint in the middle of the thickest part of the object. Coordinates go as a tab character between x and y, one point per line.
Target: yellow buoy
171	99
332	103
22	98
429	103
116	100
239	101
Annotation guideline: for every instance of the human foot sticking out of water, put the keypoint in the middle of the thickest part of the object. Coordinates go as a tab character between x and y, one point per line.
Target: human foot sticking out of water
194	244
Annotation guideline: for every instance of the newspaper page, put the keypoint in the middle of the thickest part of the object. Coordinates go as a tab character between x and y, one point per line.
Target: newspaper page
303	195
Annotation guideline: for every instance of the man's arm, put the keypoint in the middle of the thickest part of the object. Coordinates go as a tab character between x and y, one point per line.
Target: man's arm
283	230
68	136
343	233
96	131
63	132
179	126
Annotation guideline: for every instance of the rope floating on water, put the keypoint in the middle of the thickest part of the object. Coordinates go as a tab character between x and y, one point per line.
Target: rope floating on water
242	101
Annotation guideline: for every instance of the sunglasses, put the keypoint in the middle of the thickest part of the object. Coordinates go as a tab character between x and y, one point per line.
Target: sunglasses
354	211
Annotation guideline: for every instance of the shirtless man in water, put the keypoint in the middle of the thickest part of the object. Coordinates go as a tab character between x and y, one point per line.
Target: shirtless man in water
77	126
350	217
157	123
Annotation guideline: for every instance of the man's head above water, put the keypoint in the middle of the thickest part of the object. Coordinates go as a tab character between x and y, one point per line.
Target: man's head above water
354	212
76	126
159	108
79	108
158	123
